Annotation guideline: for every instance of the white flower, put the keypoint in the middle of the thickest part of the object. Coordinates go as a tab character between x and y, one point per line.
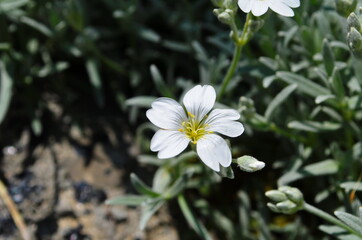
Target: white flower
259	7
181	125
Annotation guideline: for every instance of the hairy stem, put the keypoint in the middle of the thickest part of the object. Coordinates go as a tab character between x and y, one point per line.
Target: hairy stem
239	42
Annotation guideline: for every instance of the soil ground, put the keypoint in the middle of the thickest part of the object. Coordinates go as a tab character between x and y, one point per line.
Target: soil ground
60	189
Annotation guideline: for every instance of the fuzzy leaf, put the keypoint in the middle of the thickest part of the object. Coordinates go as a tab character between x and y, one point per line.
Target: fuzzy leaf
312	126
305	85
148	210
6	86
95	80
226	172
278	100
352	221
338	232
129	200
159	82
141	187
325	167
328	57
140	101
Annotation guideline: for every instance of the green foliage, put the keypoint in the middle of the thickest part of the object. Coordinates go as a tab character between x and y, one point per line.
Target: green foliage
297	83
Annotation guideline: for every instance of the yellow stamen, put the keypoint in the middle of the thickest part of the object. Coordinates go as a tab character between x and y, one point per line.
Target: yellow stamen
194	129
191	115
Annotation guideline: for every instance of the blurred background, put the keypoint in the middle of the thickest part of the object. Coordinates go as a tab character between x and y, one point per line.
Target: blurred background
77	77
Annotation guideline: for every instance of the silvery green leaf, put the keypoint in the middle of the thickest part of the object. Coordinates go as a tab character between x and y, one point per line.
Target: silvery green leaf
267	81
149	35
354	85
95	79
37	26
337	83
36	126
148	209
150	159
176	187
348	186
7	5
338	232
141	187
332	113
176	46
339	44
289	35
328	57
191	219
226	172
305	85
140	101
355	102
352	221
200	52
322	75
313	126
279	99
6	86
269	62
322	195
300	66
128	200
325	167
244	212
324	98
161	179
159	82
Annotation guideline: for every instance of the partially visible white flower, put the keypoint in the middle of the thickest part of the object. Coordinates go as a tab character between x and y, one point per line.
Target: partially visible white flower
193	123
259	7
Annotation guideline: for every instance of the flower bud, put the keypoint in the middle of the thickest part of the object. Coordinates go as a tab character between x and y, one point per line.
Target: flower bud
353	21
225	17
285	200
345	7
249	164
354	40
287	207
230	4
255	25
226	10
276	196
292	193
246	107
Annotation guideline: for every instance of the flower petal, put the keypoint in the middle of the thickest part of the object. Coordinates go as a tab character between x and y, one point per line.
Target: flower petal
292	3
245	5
228	128
281	8
222	121
260	7
199	100
227	114
168	143
166	113
213	150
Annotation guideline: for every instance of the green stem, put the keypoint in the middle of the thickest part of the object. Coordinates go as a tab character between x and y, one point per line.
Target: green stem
313	210
239	44
231	70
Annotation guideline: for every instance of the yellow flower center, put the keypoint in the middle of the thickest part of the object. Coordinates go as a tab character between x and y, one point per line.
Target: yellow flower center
193	128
